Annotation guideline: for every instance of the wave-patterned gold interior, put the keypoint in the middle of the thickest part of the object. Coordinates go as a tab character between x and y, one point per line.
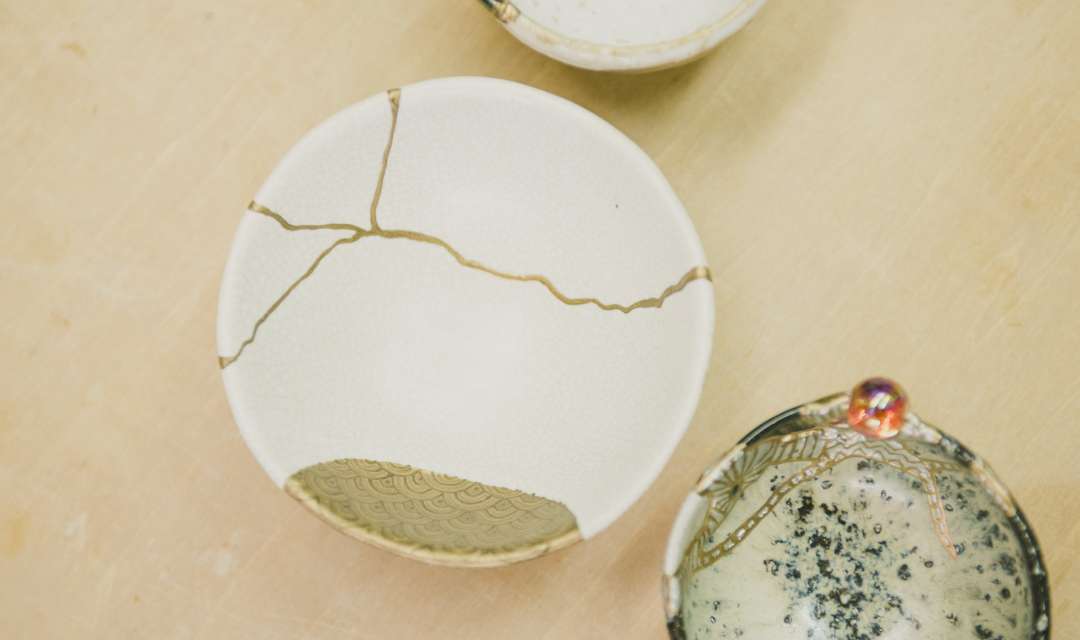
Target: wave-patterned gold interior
433	517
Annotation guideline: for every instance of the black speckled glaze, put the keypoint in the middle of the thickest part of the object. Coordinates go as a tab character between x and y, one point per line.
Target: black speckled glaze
850	555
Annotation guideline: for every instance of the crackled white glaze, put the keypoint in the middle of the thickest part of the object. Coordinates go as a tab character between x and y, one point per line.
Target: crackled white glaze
429	341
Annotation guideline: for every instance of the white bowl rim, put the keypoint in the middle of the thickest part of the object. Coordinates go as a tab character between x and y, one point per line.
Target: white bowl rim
636	57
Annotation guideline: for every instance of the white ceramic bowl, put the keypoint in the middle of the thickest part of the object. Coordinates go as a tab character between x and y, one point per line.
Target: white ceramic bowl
466	321
623	35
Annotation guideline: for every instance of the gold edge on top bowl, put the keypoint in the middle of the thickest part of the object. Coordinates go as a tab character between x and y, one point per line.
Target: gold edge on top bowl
596	56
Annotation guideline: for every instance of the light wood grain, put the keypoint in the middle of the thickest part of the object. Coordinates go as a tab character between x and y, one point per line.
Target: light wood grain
881	186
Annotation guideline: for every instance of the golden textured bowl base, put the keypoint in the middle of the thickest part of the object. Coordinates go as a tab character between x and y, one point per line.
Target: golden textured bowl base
435	518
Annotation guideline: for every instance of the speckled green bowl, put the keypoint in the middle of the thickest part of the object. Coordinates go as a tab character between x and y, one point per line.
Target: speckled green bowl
807	529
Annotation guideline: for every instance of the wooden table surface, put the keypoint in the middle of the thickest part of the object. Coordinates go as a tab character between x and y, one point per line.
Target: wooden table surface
880	187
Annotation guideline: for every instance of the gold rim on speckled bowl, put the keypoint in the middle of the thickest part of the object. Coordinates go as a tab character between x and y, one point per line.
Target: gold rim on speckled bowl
465	321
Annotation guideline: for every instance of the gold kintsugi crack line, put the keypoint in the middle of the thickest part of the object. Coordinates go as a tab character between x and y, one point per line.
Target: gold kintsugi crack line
255	207
394	95
224	361
655	302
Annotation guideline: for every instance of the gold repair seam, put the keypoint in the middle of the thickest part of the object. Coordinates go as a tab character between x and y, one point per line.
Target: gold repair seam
700	272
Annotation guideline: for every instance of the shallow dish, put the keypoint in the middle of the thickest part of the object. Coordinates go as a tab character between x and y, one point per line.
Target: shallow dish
623	35
810	529
466	321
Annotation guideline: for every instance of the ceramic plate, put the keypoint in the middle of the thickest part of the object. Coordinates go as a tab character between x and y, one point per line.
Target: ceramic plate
808	529
623	35
466	321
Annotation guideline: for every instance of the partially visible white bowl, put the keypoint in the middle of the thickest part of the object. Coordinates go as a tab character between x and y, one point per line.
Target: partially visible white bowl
623	35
